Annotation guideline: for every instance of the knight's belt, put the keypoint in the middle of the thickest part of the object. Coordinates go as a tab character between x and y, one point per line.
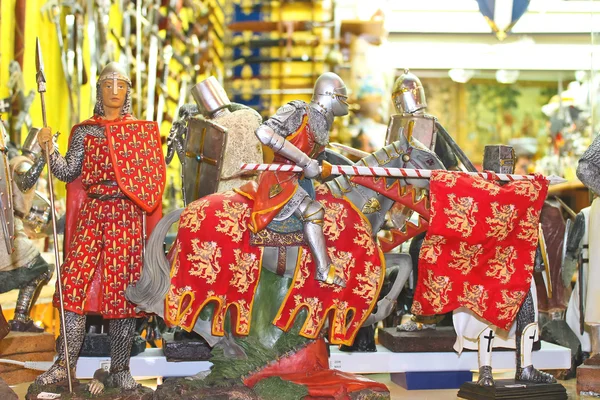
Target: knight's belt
105	190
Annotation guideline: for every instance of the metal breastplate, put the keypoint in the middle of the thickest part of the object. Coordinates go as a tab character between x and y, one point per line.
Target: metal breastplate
422	127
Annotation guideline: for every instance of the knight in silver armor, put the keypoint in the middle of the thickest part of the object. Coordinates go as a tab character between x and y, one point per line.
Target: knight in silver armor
408	96
237	141
298	133
24	268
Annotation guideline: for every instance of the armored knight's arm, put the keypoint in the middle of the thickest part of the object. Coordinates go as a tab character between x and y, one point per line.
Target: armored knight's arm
574	240
68	168
26	175
273	132
176	139
588	169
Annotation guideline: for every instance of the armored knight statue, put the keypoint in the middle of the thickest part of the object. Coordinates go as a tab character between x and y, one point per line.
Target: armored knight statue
115	172
475	333
577	258
212	139
408	96
583	253
23	267
298	133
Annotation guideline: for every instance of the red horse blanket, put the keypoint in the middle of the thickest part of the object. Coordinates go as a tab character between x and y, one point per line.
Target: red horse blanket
213	261
480	246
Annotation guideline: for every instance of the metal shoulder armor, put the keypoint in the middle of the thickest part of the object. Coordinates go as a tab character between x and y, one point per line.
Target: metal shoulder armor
288	118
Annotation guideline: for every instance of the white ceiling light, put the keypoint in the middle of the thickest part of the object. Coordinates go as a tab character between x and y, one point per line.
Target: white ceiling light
461	75
507	76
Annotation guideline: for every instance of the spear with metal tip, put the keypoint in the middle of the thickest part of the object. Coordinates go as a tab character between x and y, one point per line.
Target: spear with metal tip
357	170
41	87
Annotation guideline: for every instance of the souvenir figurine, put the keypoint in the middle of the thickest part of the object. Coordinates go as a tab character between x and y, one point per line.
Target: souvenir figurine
115	171
408	96
475	333
22	266
486	279
583	314
212	139
577	259
264	252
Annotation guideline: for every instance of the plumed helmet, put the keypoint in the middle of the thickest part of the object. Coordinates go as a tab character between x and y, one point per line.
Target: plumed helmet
114	71
330	94
408	94
210	96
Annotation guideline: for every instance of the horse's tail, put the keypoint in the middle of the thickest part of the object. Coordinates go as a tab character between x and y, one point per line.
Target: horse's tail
151	289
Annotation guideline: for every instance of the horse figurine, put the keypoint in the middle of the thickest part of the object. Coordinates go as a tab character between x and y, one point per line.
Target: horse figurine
279	309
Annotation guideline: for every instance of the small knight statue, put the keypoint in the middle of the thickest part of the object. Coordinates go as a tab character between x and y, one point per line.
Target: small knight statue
219	137
408	96
583	314
298	133
475	333
24	267
109	216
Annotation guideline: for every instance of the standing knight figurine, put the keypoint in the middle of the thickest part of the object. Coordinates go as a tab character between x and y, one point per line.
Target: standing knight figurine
24	267
475	333
115	171
298	133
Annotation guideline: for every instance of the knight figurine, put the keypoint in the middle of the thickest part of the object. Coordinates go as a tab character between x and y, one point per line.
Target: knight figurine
475	333
23	267
408	96
298	133
212	138
115	172
582	254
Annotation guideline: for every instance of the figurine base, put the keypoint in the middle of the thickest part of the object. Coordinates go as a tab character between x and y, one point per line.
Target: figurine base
431	380
80	392
511	389
25	346
588	377
98	345
185	349
440	339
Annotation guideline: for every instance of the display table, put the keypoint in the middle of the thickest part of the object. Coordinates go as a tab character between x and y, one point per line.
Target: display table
152	363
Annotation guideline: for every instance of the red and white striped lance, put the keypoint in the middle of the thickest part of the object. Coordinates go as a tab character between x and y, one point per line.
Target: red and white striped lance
357	170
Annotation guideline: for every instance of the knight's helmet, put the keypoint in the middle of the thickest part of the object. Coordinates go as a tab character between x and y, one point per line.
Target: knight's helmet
114	71
408	94
210	96
499	158
31	148
330	95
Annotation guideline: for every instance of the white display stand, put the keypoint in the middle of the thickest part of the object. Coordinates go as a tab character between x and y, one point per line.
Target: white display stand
550	356
152	363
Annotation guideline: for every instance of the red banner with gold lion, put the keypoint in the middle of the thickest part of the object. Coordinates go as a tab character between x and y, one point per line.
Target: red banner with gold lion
136	154
480	247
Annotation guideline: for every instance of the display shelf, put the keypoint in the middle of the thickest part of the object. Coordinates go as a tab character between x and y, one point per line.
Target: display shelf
147	365
550	356
152	363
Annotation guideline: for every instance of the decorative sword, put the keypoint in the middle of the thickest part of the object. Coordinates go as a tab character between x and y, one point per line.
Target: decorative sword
355	170
41	83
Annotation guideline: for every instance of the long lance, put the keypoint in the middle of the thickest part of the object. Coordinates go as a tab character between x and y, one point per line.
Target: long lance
41	84
356	170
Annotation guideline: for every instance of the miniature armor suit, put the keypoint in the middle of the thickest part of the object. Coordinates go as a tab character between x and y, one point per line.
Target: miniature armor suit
579	251
298	133
103	241
24	268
